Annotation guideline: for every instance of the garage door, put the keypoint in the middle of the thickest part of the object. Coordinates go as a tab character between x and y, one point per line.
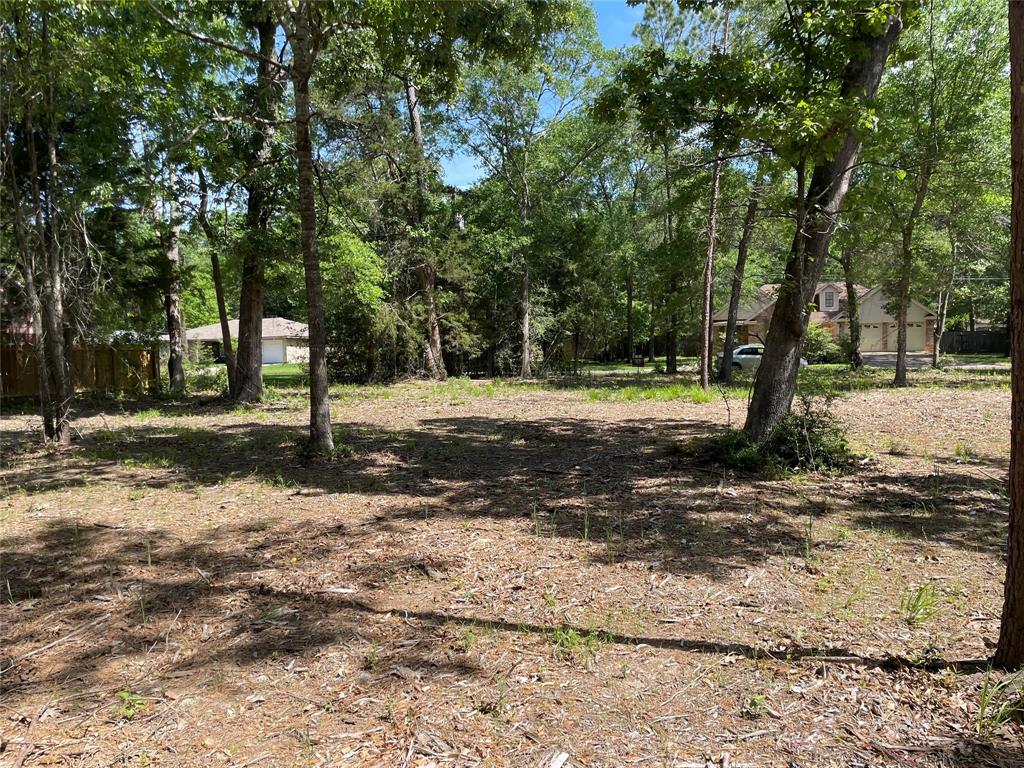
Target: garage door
871	337
273	351
915	337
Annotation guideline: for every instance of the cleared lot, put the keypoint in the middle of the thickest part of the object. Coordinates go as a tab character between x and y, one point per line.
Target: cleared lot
493	574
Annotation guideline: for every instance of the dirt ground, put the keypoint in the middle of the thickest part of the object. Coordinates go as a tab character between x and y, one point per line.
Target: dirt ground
502	576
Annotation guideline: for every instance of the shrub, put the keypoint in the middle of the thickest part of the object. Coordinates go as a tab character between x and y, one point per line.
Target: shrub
207	380
810	438
820	347
201	355
731	449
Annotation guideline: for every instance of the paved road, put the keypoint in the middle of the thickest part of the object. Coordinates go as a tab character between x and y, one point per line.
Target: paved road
924	360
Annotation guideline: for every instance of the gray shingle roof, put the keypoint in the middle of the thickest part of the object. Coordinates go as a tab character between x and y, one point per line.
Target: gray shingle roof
273	328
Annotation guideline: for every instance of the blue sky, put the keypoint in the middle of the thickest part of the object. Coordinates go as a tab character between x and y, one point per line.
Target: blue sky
615	22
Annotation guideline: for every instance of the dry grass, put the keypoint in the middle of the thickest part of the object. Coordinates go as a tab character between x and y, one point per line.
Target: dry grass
496	577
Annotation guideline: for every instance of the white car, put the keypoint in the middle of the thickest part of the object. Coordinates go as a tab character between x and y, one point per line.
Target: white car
748	357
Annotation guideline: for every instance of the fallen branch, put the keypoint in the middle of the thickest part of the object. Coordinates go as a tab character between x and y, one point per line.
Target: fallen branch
58	641
252	761
28	745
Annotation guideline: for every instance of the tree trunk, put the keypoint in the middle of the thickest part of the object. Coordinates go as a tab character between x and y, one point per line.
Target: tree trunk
650	333
425	270
576	351
706	324
629	314
945	292
1010	649
435	355
28	269
940	324
818	208
672	336
46	404
248	384
321	439
852	310
749	219
218	282
906	268
525	370
60	388
61	345
172	295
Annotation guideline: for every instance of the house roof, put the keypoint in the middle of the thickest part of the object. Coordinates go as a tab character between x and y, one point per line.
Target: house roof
273	328
747	311
768	293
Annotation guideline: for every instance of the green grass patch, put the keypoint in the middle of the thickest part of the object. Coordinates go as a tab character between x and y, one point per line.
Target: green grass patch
283	374
838	378
659	392
976	359
571	643
457	387
622	366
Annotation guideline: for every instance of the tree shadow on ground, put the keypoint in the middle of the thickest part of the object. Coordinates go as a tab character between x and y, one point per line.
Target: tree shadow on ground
962	505
611	483
111	591
115	592
607	485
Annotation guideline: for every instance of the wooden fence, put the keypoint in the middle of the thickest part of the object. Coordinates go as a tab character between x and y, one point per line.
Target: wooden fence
976	342
122	368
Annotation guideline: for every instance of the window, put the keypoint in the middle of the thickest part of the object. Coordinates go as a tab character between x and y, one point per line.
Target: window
830	299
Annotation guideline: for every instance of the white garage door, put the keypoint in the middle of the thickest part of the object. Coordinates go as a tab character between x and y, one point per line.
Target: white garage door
273	351
871	337
915	337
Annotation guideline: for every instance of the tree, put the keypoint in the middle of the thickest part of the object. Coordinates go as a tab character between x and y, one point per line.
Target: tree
936	108
214	241
176	342
425	268
71	87
505	110
707	327
852	310
306	36
803	91
257	156
736	289
1010	648
862	37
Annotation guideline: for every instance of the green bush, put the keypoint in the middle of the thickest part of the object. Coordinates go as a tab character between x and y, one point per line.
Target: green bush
213	379
810	438
814	442
820	347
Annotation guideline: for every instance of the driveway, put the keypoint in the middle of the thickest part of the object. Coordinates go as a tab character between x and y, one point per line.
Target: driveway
888	359
916	360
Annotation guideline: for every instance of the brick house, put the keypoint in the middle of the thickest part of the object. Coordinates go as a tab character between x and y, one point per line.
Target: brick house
878	327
